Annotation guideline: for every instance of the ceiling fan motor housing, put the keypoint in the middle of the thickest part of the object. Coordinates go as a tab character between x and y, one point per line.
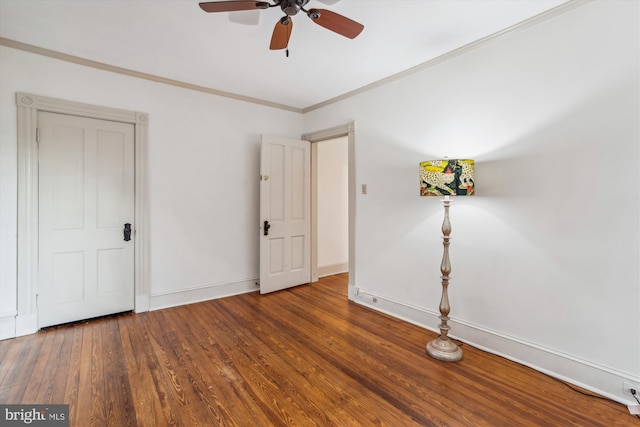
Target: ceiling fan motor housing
292	7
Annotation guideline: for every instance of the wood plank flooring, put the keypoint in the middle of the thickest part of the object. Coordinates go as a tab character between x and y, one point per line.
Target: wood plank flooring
300	357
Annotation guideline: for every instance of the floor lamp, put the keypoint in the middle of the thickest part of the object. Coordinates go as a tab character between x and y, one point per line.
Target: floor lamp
446	177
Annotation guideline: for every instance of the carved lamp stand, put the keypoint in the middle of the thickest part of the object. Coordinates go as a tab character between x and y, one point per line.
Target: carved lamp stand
446	178
443	348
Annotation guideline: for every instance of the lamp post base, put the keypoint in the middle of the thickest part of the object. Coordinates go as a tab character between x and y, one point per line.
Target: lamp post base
444	349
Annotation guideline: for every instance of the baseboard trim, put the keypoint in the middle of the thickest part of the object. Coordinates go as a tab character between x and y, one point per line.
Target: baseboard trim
591	376
332	269
13	325
202	293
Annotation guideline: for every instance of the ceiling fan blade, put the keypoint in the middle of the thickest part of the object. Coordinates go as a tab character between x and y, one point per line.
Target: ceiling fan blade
336	22
281	34
232	6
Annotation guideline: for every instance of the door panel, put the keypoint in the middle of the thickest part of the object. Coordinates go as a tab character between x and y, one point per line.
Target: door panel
85	196
67	209
110	178
110	268
285	202
68	277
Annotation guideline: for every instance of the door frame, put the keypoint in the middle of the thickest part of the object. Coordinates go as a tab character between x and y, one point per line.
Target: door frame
347	130
28	107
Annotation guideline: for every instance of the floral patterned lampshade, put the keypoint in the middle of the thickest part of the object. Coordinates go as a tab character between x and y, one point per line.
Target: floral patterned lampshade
447	177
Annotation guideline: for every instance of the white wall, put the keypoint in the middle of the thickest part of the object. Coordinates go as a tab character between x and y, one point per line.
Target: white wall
333	205
203	171
545	257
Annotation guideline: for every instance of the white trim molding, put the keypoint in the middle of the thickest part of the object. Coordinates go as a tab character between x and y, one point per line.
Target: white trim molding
14	44
28	105
463	50
591	376
332	269
550	14
202	293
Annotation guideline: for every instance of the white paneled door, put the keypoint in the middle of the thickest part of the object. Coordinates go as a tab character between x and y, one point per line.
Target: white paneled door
86	196
285	213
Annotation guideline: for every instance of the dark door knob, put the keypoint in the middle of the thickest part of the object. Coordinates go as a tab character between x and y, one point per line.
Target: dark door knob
266	228
127	232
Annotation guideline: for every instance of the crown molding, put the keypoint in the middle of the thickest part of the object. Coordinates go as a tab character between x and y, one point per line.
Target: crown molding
127	72
534	20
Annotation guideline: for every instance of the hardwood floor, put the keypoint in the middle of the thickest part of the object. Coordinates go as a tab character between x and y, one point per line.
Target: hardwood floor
304	356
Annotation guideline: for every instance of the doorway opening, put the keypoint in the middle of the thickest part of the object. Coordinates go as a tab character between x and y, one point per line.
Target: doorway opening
346	132
331	172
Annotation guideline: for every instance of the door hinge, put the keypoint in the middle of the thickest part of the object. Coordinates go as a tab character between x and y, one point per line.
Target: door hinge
37	297
38	135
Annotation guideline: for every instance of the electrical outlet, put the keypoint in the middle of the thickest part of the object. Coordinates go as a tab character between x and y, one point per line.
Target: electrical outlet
365	296
628	385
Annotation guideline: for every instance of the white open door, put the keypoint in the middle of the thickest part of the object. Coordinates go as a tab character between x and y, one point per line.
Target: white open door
285	213
86	196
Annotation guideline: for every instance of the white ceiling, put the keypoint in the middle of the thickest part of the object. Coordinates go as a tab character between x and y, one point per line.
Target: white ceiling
175	39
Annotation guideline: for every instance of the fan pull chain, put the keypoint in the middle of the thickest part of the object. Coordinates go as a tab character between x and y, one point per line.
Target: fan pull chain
287	52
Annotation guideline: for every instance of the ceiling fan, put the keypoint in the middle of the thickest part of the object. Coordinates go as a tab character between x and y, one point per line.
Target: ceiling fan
282	32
